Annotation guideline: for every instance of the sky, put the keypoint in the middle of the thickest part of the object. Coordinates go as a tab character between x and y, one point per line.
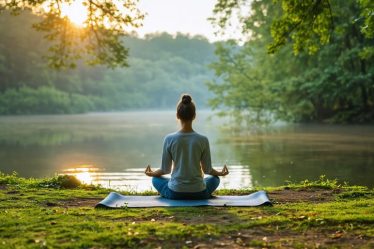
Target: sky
185	16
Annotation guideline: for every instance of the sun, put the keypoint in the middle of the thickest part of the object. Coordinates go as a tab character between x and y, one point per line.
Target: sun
75	11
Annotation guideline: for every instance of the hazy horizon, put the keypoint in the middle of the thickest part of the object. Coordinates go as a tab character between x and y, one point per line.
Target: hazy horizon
173	16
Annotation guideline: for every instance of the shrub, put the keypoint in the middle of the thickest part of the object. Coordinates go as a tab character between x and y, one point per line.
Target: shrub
61	181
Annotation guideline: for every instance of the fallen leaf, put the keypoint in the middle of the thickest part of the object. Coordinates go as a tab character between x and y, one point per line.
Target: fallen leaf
337	235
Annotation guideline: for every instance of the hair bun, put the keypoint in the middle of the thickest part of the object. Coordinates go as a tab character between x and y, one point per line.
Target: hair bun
186	99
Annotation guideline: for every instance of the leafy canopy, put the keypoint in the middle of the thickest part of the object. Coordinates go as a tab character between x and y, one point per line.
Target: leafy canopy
307	24
96	40
329	83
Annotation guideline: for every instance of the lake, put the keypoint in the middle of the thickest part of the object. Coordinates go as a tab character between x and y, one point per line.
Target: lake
113	149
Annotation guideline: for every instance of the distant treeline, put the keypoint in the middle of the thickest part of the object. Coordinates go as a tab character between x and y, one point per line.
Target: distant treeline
161	68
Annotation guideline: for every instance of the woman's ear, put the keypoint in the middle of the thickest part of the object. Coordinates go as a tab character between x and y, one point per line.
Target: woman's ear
194	116
176	114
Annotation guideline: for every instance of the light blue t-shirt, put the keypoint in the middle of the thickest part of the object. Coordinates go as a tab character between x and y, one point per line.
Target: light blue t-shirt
185	151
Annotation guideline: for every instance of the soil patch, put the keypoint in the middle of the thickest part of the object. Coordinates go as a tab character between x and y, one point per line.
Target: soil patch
311	195
259	238
3	187
77	202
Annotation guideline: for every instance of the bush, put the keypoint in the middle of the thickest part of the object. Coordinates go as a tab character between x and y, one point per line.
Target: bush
61	181
11	179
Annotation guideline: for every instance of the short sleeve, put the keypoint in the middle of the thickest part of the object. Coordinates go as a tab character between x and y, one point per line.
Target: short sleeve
205	158
166	160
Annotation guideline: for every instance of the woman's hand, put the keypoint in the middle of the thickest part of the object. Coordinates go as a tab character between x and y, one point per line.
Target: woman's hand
148	171
224	171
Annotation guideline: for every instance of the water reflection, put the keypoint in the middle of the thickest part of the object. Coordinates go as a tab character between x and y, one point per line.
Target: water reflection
116	147
86	174
134	179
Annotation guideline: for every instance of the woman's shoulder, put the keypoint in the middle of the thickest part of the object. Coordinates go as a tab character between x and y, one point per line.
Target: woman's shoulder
201	137
178	134
170	135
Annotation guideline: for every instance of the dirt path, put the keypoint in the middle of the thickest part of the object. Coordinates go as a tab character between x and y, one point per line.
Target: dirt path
302	195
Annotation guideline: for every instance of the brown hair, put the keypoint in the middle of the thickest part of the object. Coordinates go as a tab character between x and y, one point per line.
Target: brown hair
186	109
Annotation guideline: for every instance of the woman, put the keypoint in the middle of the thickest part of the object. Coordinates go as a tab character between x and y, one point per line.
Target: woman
189	154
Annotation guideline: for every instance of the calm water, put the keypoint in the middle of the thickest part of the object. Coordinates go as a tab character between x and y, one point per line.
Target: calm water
113	149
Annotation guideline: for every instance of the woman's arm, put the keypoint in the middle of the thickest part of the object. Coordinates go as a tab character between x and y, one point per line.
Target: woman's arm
214	172
149	172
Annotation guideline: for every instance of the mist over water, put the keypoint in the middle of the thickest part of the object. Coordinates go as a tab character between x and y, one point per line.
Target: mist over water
113	149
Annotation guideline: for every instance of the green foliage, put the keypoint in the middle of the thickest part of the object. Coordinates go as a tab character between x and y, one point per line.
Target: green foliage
61	181
367	28
240	85
323	182
367	15
97	41
162	67
307	24
335	84
57	182
11	179
43	100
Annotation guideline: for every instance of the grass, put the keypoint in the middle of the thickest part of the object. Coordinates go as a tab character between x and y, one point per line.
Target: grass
58	213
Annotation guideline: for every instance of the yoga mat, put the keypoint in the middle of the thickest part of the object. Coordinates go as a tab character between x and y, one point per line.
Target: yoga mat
115	200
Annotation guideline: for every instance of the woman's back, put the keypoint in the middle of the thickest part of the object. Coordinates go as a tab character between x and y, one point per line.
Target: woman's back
186	154
187	150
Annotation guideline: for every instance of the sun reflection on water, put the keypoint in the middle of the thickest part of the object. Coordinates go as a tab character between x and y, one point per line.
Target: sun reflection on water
134	179
85	173
84	177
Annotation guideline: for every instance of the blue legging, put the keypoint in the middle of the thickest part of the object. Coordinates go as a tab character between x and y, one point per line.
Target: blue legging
161	184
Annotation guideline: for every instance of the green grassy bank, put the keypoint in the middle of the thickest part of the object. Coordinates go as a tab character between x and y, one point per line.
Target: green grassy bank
59	213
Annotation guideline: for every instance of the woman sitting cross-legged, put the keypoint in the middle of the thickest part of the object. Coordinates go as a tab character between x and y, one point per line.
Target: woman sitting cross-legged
189	154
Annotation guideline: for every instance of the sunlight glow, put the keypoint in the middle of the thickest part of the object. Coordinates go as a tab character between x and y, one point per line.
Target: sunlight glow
85	173
76	12
84	177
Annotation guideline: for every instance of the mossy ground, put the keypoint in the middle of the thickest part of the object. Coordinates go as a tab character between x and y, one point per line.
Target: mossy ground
322	214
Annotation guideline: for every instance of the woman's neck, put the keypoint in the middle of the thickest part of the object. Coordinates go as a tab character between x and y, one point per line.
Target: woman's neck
186	126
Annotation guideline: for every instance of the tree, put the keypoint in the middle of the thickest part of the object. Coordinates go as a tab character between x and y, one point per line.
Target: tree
333	84
97	41
307	24
161	69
